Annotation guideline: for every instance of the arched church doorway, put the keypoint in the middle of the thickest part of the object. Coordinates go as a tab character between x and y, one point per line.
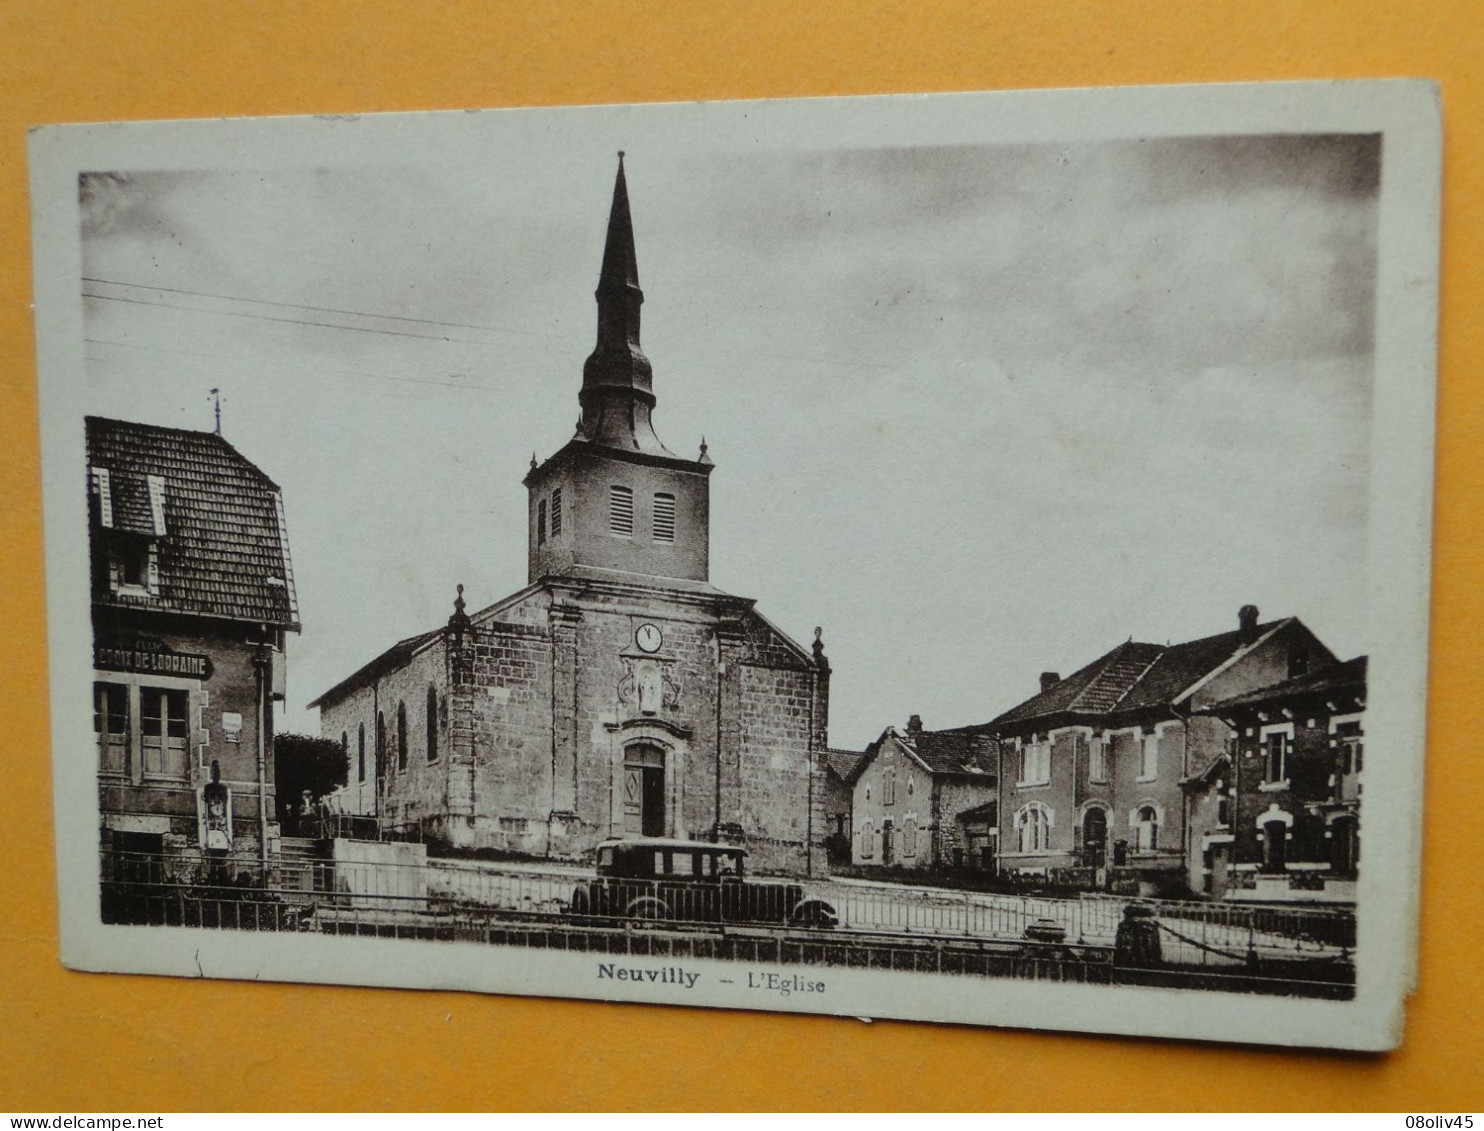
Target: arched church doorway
644	790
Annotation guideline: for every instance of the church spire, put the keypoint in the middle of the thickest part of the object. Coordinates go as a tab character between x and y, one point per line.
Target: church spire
617	380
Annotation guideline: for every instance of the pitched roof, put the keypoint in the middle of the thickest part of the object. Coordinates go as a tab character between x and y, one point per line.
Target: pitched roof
1134	676
223	550
965	751
842	762
390	660
1349	676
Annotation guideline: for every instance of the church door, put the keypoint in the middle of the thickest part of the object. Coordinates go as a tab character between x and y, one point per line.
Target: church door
644	791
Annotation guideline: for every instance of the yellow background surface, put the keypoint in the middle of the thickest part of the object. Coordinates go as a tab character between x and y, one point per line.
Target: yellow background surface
78	1042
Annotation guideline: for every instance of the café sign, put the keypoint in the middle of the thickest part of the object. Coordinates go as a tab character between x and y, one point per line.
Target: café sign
150	657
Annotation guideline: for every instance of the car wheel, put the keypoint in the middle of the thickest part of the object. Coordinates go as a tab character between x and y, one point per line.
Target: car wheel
645	912
815	914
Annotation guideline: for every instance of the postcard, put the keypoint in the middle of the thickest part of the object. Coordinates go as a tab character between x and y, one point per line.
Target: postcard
956	557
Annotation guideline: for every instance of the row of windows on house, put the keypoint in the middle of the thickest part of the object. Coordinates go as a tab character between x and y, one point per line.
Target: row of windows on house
869	835
159	718
434	717
889	787
549	514
1034	822
1035	757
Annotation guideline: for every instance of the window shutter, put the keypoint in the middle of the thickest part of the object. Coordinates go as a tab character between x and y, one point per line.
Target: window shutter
556	512
664	517
541	522
621	510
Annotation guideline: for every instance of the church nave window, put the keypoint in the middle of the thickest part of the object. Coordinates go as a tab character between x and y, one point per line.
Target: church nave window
621	510
664	517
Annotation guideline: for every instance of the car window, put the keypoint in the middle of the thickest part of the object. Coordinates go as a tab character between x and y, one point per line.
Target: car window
682	864
708	864
605	858
659	863
729	864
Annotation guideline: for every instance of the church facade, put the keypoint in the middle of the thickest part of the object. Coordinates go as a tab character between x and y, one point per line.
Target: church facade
619	693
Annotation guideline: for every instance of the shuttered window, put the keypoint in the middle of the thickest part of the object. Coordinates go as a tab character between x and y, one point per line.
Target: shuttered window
556	512
664	517
621	510
541	522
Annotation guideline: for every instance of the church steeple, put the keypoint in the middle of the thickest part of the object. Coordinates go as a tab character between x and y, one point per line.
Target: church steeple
617	380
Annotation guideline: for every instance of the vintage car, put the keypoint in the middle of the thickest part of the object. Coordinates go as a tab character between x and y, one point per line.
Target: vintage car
650	881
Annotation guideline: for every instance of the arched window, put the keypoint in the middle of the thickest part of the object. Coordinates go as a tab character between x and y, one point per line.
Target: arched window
1033	828
432	711
868	840
909	837
1275	846
380	744
361	752
401	736
1146	829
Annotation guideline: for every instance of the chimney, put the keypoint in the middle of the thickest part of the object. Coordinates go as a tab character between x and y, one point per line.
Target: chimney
1049	680
1247	624
914	725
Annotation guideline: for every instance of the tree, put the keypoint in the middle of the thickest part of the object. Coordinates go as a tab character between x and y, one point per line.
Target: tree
304	762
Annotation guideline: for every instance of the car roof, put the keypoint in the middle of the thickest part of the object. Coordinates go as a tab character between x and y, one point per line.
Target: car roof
666	842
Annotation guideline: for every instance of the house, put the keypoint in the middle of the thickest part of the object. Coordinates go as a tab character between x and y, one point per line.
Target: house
925	799
1277	817
192	595
1094	762
838	767
619	693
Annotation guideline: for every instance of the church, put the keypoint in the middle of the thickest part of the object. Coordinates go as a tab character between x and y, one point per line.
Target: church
619	694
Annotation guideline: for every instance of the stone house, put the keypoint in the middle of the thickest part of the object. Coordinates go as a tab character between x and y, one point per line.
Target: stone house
1277	816
618	693
1094	763
838	766
916	795
192	595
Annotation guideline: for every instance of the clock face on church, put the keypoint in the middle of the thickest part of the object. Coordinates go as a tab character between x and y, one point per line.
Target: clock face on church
649	638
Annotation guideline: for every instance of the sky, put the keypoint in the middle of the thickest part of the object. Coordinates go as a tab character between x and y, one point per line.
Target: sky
979	412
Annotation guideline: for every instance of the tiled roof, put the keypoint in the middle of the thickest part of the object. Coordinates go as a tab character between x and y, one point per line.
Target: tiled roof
842	762
966	751
1133	677
1349	676
224	549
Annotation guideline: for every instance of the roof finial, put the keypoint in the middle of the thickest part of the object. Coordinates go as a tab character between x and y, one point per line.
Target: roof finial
217	397
533	461
703	457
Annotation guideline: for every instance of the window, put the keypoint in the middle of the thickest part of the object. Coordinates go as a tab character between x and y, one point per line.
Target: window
541	522
664	517
1275	757
868	841
133	564
432	724
1149	758
1035	763
909	837
888	787
621	511
1097	760
556	512
111	726
682	864
162	716
361	752
1223	803
1146	829
1033	829
401	736
380	744
911	788
345	747
1352	748
1275	846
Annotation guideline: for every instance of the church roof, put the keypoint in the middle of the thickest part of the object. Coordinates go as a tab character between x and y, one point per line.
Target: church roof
215	519
389	661
842	763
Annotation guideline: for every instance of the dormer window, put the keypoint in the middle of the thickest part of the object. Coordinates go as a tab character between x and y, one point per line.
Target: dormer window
131	512
621	511
664	517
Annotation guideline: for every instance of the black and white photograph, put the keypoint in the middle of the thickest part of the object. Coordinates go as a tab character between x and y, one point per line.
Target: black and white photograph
956	557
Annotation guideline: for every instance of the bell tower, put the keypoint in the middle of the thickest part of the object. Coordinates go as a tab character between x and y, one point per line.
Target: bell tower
614	501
